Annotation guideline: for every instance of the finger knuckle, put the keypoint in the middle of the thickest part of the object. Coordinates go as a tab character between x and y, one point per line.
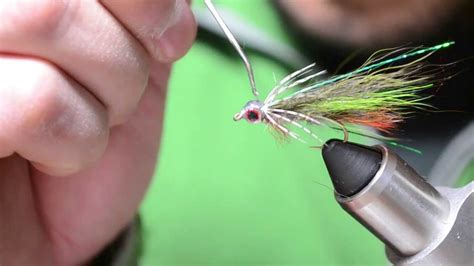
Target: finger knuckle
53	109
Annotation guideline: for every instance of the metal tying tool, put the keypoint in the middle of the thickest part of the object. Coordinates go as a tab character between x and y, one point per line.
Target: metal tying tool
419	224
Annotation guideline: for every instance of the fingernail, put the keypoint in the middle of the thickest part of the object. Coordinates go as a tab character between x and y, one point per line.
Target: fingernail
56	171
172	43
165	42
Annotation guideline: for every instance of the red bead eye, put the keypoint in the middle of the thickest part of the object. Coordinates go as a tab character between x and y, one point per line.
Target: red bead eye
253	115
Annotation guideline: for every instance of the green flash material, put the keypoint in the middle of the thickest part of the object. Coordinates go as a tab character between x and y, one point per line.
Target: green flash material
379	64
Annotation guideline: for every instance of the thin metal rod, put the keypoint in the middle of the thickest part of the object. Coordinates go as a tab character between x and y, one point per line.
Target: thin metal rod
234	43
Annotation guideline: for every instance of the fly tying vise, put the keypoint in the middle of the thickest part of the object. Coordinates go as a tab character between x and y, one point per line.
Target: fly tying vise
377	94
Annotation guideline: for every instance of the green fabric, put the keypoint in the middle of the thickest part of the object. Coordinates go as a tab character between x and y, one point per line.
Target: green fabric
228	193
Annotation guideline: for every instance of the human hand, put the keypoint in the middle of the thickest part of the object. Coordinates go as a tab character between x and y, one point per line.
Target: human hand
366	22
82	87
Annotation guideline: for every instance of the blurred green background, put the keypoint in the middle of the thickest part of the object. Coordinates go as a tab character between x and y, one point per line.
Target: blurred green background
227	193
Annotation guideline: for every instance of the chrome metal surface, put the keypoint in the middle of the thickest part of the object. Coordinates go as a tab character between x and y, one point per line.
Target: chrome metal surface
399	207
420	224
455	244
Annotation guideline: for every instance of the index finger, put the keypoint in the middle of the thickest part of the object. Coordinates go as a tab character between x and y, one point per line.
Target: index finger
165	27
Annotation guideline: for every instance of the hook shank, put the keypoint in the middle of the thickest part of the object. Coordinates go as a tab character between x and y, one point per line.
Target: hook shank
234	43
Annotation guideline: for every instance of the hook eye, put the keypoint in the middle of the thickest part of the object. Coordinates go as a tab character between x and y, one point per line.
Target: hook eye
238	116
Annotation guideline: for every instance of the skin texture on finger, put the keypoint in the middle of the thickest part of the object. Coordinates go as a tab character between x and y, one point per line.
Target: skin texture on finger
68	220
84	212
165	27
48	118
21	230
86	41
